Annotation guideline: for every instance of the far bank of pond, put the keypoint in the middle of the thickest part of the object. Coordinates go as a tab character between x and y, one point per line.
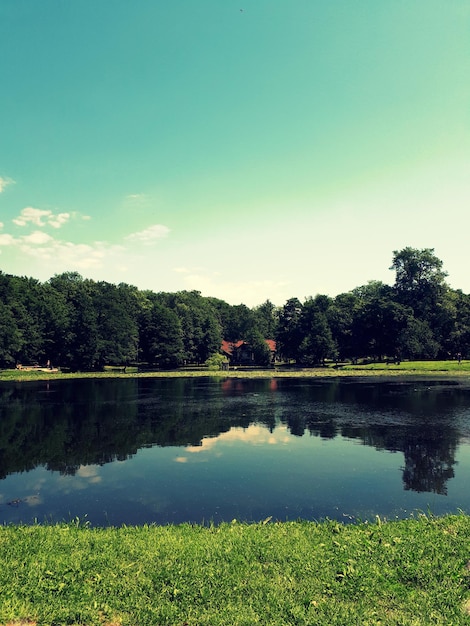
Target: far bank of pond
432	369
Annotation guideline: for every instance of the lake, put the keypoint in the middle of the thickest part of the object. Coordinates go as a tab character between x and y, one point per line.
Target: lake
204	450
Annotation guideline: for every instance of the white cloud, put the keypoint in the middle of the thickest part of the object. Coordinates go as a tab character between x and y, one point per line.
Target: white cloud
90	473
4	182
6	240
59	220
68	255
58	254
254	435
33	216
37	238
149	235
41	217
137	197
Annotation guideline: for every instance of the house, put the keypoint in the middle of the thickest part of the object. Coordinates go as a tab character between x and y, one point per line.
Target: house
241	353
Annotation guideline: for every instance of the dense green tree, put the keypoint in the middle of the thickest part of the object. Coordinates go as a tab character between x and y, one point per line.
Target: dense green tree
81	350
317	340
266	319
238	320
244	320
373	290
367	312
458	338
161	336
341	314
417	271
199	322
117	311
420	284
260	349
416	340
378	327
10	337
420	279
289	332
54	314
25	304
225	316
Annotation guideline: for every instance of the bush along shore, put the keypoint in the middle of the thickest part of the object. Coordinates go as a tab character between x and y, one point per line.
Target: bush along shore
406	572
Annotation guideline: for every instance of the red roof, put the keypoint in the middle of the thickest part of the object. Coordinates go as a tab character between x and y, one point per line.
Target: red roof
228	346
271	344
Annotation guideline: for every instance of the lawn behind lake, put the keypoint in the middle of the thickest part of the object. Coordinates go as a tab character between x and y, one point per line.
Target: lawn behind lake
332	370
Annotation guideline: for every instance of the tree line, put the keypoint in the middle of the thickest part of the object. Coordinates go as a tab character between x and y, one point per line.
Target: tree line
82	324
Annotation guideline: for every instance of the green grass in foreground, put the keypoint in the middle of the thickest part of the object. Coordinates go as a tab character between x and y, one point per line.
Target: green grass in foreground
412	572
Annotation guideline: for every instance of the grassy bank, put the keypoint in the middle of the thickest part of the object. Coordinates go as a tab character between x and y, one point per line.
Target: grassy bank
411	572
406	368
412	367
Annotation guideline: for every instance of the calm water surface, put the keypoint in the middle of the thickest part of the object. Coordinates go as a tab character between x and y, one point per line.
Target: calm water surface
172	450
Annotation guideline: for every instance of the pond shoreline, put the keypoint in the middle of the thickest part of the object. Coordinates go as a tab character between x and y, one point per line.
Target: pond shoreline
431	370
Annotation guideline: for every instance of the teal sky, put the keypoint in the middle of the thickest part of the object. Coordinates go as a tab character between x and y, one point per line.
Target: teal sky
249	150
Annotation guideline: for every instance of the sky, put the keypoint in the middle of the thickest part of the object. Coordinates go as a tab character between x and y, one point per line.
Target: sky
249	150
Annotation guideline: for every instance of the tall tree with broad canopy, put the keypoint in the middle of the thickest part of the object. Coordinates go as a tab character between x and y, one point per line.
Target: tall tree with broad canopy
317	340
419	278
289	332
199	322
260	350
116	309
81	349
459	336
341	314
417	270
378	328
420	284
266	319
10	337
161	336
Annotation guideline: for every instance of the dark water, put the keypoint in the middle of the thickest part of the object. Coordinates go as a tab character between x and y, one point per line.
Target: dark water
139	451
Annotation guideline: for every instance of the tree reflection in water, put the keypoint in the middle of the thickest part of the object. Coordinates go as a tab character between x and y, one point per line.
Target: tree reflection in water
63	425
